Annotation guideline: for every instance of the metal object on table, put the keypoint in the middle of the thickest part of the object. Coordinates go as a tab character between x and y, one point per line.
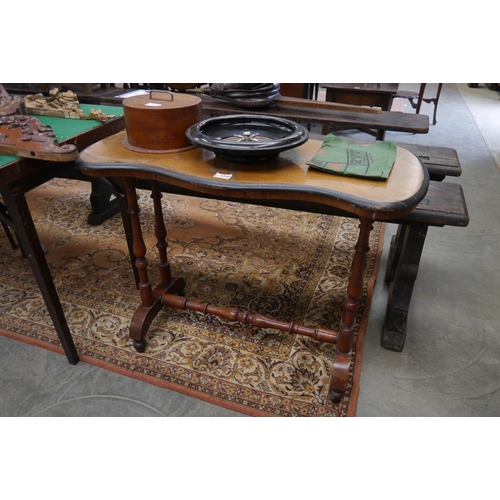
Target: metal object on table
247	95
247	138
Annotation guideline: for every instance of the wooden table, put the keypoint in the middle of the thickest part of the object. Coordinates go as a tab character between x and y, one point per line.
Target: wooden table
363	94
285	182
18	176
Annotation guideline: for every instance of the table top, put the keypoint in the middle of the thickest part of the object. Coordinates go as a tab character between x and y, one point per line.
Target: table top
379	88
287	178
81	133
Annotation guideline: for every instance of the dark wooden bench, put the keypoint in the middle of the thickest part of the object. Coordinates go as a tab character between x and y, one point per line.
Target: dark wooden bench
444	205
315	112
440	162
311	112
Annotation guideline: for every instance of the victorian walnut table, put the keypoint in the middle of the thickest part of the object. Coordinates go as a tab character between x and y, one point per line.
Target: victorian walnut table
285	182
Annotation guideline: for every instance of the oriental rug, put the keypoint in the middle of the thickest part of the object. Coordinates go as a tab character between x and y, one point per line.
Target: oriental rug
292	266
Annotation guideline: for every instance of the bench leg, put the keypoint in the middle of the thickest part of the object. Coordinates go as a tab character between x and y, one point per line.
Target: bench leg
394	254
401	289
102	207
436	101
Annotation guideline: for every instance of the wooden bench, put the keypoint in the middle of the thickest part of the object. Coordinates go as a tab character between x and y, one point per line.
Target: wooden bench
440	162
444	205
314	112
361	94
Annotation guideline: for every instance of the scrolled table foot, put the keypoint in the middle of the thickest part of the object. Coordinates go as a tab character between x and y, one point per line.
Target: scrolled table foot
336	397
140	346
340	374
143	316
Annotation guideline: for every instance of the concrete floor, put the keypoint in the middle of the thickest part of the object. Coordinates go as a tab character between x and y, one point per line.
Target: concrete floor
451	362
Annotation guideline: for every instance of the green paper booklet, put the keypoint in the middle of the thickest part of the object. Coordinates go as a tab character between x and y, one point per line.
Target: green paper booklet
372	161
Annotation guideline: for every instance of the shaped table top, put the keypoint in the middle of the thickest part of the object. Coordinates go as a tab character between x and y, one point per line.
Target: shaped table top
287	177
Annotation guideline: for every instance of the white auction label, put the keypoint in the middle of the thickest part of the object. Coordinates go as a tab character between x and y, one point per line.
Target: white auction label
223	176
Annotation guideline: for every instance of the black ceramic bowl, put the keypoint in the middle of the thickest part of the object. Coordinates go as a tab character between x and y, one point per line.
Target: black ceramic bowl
247	138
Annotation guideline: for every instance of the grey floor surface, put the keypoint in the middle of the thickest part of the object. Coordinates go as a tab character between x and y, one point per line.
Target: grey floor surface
451	362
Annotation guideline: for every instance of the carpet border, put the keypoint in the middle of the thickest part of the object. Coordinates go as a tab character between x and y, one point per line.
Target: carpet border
85	358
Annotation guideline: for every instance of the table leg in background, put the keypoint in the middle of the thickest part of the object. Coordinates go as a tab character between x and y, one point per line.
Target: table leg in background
13	196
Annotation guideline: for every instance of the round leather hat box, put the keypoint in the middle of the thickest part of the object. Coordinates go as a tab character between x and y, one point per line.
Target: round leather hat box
157	122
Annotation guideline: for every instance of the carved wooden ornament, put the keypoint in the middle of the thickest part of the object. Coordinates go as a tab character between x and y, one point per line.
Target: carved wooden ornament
62	105
10	104
26	136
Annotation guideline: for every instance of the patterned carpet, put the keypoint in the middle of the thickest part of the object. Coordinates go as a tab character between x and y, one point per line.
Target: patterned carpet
291	266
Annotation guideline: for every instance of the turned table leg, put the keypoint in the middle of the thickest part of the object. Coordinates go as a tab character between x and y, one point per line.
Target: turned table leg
141	264
345	342
150	299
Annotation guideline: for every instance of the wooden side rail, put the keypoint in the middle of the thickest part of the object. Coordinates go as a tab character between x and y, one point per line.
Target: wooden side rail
245	317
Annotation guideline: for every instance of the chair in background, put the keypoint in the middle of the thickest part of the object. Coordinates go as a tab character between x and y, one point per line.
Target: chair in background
416	98
300	90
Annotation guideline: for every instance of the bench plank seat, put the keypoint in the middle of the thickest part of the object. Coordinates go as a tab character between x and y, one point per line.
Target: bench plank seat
308	112
385	120
440	162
